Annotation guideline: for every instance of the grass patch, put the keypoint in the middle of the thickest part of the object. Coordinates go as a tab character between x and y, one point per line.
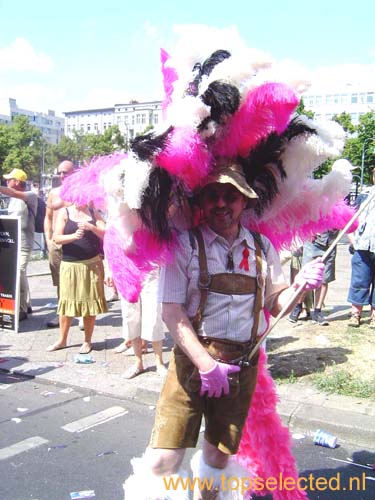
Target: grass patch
342	382
280	379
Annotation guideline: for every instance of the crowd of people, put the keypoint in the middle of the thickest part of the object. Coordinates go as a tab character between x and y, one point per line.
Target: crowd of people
362	281
73	236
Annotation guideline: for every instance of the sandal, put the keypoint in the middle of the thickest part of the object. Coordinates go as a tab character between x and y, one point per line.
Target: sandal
85	348
132	372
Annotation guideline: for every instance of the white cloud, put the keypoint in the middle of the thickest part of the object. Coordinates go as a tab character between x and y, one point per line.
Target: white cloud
30	96
98	97
21	56
339	76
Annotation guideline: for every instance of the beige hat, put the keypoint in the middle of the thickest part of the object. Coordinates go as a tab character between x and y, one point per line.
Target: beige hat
231	174
17	174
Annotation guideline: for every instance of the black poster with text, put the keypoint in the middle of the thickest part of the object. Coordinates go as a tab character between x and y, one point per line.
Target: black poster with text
9	272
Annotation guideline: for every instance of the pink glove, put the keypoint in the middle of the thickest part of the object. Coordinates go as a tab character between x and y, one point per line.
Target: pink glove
311	275
216	380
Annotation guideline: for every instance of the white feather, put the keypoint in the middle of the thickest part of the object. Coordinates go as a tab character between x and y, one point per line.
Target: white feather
136	178
144	485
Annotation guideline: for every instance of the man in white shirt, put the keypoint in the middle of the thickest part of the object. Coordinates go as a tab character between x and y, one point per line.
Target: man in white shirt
24	204
213	299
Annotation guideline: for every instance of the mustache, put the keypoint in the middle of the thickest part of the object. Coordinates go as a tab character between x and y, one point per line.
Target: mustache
220	211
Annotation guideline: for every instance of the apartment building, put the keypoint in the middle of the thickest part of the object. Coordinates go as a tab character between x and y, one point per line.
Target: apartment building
51	126
88	121
132	119
354	99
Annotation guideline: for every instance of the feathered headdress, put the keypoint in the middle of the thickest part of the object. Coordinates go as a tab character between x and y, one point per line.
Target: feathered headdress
220	105
224	103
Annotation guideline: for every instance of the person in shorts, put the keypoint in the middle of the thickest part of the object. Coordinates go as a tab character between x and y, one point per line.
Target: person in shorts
311	250
213	295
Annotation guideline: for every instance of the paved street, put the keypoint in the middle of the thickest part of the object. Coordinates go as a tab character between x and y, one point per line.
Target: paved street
69	427
55	441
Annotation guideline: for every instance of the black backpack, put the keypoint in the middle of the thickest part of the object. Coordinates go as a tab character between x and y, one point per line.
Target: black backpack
40	215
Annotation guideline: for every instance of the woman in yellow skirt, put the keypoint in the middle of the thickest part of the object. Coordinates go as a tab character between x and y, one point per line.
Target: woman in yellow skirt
80	230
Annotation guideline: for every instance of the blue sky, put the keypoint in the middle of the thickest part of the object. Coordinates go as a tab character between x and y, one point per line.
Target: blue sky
78	54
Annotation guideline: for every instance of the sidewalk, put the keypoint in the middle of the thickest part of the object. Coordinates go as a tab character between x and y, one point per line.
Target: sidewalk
301	407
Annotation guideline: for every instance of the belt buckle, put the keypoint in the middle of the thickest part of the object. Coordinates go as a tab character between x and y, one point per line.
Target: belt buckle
204	285
260	281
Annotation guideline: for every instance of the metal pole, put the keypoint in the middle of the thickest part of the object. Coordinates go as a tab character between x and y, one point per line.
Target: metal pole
302	286
362	163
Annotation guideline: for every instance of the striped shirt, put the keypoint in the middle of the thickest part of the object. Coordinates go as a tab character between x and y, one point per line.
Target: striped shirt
224	316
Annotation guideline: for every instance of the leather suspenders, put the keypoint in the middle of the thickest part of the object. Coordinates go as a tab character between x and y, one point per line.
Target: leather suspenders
228	283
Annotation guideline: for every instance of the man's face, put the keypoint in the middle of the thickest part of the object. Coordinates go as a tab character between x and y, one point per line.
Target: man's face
64	171
222	206
12	183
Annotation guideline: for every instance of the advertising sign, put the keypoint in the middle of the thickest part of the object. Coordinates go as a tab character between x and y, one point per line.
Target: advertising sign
10	240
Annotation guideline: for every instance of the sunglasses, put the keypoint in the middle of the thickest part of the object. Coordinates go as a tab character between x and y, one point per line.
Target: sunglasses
65	173
229	196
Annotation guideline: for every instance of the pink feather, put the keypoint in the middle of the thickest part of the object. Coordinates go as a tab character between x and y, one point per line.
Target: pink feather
185	156
85	186
129	269
169	76
265	448
266	109
297	224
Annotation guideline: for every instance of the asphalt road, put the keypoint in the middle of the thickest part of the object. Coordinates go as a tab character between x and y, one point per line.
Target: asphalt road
55	441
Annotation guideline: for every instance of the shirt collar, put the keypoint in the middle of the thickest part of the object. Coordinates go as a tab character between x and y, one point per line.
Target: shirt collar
244	237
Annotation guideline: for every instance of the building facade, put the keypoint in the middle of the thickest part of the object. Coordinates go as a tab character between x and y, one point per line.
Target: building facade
88	121
354	99
132	119
51	126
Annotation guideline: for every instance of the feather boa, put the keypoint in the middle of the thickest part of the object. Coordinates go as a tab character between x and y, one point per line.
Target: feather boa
265	448
130	268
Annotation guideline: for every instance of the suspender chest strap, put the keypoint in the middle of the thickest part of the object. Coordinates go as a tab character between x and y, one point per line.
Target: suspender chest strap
228	284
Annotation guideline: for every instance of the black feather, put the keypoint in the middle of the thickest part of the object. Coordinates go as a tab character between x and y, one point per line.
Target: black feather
263	166
146	146
205	69
222	98
155	203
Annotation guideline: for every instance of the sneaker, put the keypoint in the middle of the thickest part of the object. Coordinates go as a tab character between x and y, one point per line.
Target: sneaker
294	315
372	322
53	323
355	320
319	318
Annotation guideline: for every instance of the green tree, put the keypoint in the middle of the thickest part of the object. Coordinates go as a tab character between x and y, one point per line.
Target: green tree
344	119
301	110
21	147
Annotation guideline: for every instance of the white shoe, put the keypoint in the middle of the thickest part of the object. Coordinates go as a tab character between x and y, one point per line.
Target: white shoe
122	348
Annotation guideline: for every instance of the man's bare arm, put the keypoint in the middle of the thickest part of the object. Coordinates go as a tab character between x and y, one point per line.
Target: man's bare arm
184	335
13	193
